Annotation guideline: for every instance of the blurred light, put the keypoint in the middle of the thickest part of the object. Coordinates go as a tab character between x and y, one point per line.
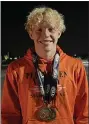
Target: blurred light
15	58
74	54
6	57
10	58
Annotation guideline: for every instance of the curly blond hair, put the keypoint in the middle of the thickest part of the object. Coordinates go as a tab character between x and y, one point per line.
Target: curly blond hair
47	14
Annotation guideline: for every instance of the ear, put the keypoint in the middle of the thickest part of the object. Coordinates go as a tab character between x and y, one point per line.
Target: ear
59	34
30	34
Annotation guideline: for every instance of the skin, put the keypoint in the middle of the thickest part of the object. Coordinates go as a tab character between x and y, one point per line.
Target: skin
45	36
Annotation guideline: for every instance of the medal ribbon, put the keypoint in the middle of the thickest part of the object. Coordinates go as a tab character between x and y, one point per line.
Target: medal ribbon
48	83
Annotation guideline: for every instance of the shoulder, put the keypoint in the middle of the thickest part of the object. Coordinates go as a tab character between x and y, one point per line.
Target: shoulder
73	64
17	64
70	60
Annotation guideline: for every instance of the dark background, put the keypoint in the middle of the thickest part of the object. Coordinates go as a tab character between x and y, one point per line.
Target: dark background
15	40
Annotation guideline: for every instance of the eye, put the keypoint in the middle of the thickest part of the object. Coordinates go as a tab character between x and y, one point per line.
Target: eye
51	29
39	30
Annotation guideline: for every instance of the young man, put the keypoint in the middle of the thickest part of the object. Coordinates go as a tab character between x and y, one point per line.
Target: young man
46	86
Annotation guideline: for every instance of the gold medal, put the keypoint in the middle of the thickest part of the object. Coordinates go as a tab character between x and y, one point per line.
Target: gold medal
46	114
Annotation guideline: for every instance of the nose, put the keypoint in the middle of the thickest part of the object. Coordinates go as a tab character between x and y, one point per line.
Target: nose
46	33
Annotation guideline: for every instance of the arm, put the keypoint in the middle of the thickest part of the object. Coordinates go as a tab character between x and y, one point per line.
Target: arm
81	102
10	107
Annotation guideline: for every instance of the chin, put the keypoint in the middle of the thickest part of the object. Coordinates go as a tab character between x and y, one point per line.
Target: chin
47	49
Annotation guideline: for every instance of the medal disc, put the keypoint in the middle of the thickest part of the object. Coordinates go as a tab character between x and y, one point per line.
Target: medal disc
46	114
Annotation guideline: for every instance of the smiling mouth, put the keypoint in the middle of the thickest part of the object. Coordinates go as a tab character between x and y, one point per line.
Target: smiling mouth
46	42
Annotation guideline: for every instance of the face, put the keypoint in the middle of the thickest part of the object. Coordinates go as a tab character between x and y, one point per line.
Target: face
45	36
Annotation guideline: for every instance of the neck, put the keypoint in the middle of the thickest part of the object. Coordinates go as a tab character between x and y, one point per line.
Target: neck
47	55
